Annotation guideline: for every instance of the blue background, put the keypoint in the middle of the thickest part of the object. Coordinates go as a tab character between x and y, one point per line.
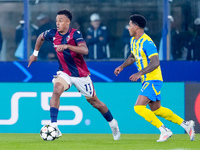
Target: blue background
173	71
119	97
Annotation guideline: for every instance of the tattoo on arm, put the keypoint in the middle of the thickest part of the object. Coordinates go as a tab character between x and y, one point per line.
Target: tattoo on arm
129	61
154	63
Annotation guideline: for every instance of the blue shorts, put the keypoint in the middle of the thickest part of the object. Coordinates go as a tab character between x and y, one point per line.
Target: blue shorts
151	89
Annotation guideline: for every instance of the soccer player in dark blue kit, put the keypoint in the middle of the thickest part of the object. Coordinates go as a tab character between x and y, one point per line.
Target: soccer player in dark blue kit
70	48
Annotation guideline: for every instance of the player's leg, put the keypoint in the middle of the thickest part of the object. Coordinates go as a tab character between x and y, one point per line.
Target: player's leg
96	103
148	115
60	85
149	93
85	86
166	113
55	101
189	128
171	116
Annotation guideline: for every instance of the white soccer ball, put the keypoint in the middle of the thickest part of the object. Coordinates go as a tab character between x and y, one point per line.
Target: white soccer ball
48	133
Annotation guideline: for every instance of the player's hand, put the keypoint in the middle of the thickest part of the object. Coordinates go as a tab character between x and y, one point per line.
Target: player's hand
118	70
135	77
61	47
32	58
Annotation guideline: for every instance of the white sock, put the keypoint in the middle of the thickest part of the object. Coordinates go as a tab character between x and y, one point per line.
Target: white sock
184	124
162	128
112	122
54	124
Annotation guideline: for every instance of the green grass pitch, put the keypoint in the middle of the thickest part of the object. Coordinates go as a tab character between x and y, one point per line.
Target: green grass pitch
97	142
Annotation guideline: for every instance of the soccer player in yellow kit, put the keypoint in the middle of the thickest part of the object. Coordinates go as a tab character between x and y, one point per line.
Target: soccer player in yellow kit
144	53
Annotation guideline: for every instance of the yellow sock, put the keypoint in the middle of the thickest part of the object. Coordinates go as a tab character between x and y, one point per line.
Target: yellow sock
168	115
148	115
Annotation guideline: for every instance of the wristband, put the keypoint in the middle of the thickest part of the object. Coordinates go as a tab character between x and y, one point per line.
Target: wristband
35	53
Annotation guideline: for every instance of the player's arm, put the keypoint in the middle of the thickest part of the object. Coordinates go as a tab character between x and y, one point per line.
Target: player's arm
154	63
38	44
80	48
129	61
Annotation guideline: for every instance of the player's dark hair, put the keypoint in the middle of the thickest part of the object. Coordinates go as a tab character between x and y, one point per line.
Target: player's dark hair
138	20
65	12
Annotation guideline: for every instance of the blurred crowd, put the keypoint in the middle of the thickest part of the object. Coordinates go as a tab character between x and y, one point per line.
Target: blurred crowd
185	44
104	30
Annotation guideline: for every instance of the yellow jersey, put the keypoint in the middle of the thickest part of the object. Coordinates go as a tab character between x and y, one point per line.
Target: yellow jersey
143	49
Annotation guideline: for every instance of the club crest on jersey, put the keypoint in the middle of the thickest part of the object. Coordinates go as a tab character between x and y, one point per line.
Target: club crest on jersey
67	38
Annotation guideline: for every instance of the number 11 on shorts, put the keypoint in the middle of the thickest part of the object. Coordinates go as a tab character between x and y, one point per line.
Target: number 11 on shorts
87	86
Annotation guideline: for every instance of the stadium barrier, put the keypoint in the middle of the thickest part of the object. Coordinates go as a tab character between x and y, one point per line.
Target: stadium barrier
101	71
192	104
24	108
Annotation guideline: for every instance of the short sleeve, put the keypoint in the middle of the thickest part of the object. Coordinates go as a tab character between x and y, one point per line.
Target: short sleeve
150	48
78	37
49	34
132	38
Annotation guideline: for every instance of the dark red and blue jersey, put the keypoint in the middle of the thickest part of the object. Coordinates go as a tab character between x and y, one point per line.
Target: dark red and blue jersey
70	62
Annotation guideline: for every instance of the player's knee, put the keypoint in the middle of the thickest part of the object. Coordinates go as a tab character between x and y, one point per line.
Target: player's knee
58	89
91	101
101	105
96	103
163	112
60	80
158	111
138	108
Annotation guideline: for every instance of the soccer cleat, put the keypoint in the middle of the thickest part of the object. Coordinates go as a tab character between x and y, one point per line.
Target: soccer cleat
165	135
115	129
59	134
190	129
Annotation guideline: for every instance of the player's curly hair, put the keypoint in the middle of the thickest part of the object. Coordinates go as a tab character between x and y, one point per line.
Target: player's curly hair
65	12
139	20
